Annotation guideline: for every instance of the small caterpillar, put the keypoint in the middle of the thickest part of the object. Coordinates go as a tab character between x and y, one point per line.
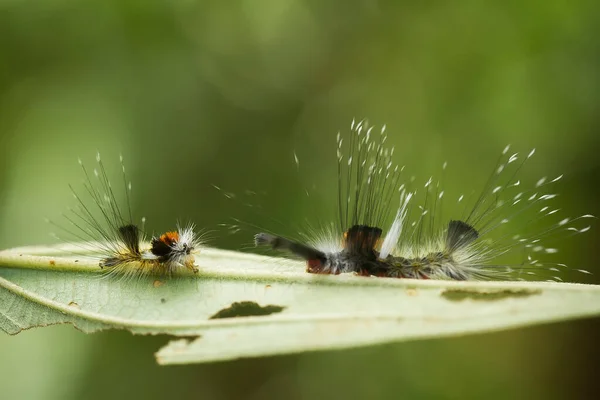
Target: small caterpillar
429	247
120	243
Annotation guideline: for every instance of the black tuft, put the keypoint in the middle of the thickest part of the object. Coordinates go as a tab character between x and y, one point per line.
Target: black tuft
280	243
460	234
160	249
362	239
130	235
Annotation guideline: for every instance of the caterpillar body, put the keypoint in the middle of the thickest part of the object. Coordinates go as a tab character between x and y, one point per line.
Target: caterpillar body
110	234
428	247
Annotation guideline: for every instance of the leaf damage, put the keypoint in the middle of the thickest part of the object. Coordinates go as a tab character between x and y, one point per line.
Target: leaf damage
487	295
247	309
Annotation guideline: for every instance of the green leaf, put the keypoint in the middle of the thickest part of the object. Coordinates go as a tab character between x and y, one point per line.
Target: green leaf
244	305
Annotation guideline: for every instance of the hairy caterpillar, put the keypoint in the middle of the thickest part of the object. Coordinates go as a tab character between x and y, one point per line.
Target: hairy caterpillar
428	247
110	233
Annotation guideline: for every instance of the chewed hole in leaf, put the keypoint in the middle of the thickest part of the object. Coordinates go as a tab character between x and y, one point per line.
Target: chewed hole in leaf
247	309
488	295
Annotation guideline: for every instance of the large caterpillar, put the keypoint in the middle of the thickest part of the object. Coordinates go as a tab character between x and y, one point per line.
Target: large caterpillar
460	248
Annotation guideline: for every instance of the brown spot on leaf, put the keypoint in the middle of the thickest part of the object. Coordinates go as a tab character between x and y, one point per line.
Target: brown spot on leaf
157	283
411	292
74	305
52	262
487	295
247	309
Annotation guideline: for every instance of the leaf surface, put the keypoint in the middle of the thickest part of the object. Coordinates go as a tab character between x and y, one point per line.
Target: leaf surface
244	305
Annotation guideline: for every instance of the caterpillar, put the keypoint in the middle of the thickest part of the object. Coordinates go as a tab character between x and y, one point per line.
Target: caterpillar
429	247
111	234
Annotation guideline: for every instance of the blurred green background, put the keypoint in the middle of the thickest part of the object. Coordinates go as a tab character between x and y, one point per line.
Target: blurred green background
214	92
